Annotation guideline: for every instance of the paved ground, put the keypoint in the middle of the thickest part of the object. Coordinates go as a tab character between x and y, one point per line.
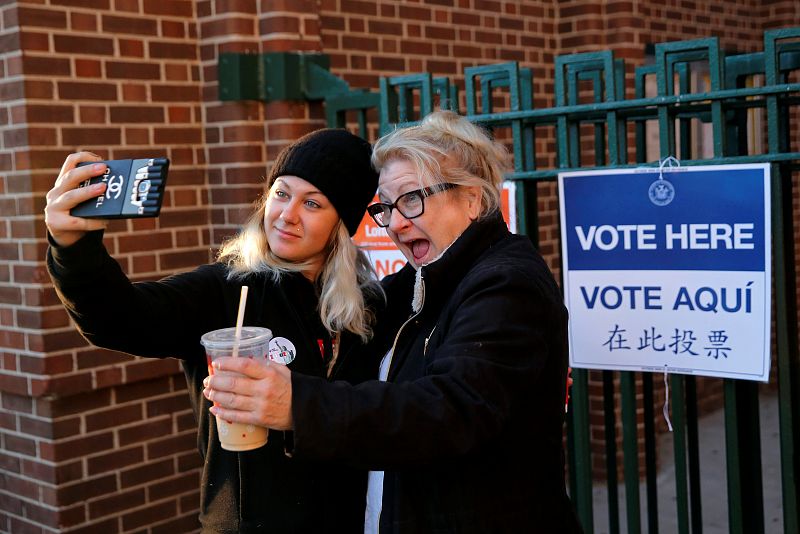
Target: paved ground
712	480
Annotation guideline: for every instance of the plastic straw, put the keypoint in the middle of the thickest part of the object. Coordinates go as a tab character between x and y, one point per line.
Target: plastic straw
239	320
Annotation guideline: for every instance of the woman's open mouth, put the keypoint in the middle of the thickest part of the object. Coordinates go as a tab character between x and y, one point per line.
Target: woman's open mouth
419	249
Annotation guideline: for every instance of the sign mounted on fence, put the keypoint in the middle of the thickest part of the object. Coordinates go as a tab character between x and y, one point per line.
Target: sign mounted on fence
669	270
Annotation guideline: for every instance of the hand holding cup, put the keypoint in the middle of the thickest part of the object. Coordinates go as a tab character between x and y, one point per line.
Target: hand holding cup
251	392
250	346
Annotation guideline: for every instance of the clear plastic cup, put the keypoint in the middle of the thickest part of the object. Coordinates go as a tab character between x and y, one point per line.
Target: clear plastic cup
254	344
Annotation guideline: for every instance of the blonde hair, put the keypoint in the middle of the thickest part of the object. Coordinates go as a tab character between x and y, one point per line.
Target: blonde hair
346	278
447	148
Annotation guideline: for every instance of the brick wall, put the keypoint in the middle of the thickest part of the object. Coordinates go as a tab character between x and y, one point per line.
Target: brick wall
94	441
91	437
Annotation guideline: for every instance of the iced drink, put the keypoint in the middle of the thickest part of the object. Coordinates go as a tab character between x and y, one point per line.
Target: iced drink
253	344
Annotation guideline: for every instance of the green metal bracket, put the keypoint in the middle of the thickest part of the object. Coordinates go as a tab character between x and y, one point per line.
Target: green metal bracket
240	77
607	75
520	87
397	99
520	97
518	80
293	76
668	55
278	76
274	76
640	124
337	106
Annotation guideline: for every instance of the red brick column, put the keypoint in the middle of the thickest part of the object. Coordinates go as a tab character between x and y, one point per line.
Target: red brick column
94	440
243	137
90	438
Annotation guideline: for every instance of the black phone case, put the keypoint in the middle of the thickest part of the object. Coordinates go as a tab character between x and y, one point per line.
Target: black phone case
135	188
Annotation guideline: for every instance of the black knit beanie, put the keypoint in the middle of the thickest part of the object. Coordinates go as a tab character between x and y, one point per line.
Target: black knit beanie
338	164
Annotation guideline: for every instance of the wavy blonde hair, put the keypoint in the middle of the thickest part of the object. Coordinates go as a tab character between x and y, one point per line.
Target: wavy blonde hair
447	148
346	278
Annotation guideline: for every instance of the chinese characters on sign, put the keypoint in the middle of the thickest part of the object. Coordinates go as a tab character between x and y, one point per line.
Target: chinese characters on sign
669	272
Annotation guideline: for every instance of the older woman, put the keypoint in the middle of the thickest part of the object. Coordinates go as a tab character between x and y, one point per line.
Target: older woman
308	283
464	429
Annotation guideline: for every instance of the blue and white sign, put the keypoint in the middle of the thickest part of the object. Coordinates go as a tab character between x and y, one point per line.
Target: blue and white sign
669	270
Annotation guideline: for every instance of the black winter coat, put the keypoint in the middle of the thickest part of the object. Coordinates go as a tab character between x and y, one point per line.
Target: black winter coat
468	427
255	491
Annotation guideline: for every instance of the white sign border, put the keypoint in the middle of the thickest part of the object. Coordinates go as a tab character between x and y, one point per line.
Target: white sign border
767	273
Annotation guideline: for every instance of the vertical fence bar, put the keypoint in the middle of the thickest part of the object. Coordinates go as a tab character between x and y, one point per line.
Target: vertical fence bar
679	439
685	124
610	67
736	525
630	446
693	443
742	437
599	127
666	125
650	458
526	192
618	143
573	127
745	492
650	453
363	130
785	286
786	339
610	423
716	70
640	126
582	460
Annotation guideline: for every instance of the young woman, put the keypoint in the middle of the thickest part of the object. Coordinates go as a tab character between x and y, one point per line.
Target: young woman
307	282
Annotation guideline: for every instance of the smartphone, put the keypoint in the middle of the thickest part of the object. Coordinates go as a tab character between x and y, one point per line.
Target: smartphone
134	188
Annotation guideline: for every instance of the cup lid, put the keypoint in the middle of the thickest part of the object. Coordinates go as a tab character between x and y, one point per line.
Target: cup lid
224	337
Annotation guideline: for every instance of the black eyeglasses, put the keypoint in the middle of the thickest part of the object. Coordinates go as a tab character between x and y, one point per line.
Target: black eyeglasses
410	205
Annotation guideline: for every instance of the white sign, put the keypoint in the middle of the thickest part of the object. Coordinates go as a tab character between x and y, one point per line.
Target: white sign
669	272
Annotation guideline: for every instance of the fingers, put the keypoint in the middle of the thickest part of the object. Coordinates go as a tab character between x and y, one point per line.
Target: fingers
78	157
224	382
246	366
265	401
234	416
70	179
66	194
230	400
81	173
63	200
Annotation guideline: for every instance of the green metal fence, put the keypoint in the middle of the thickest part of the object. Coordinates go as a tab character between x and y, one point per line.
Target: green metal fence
595	134
610	119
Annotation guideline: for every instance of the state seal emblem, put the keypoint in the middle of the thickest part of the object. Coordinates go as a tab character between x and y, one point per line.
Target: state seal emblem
661	192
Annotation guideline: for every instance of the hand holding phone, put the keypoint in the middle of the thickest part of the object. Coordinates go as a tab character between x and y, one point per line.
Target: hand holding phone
134	188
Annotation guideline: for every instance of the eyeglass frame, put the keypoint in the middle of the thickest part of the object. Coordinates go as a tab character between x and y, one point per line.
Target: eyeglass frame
423	193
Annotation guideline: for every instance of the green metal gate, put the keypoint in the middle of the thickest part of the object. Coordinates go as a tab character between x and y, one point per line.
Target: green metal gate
599	131
610	119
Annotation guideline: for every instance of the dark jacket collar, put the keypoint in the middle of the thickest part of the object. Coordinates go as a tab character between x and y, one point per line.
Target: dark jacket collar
442	276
